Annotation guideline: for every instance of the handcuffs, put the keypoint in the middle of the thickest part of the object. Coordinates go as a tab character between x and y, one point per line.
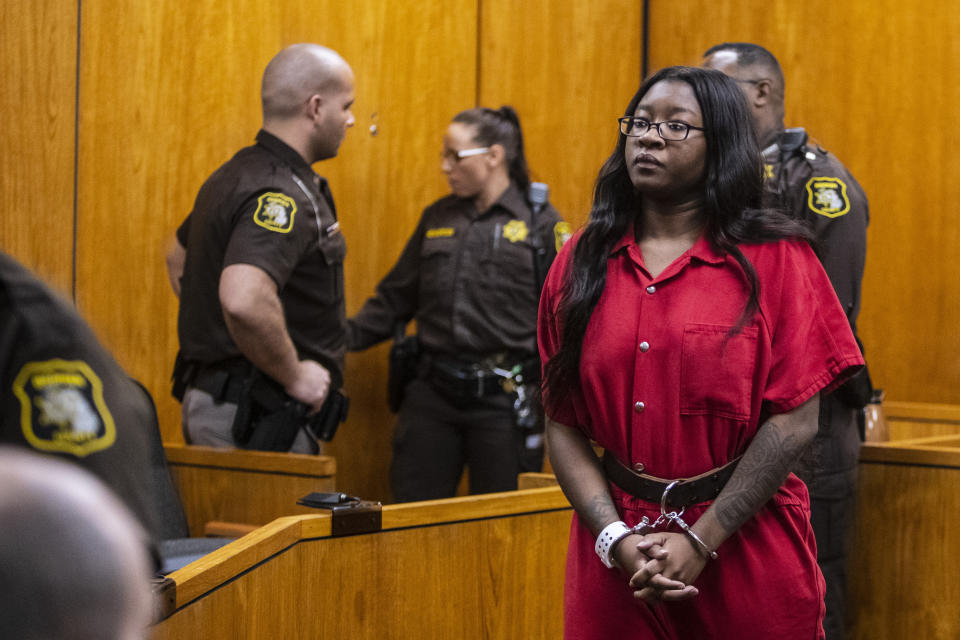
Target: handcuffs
616	531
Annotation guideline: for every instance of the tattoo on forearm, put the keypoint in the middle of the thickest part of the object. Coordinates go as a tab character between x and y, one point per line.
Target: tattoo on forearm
763	469
601	509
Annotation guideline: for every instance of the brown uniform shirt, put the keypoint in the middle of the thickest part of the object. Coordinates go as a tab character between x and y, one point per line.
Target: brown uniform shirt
811	185
63	394
467	277
265	207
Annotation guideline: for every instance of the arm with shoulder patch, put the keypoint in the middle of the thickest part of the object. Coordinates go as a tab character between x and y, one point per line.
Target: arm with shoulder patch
828	197
554	233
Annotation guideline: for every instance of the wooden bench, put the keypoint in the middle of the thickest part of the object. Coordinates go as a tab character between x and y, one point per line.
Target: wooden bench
247	488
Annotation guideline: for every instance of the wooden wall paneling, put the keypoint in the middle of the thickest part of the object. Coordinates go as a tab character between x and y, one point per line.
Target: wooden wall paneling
169	91
38	46
415	65
569	68
187	97
850	68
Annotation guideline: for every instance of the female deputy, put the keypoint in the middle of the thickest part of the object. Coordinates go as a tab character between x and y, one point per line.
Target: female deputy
689	334
471	277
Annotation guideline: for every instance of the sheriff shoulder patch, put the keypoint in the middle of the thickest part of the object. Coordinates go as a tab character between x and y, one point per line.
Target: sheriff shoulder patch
440	232
515	231
275	212
62	407
827	196
561	233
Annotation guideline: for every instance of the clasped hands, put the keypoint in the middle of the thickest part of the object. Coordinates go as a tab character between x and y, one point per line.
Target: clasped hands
662	565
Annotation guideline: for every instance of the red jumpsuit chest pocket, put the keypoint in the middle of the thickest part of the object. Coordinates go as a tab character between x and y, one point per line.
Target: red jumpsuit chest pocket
716	370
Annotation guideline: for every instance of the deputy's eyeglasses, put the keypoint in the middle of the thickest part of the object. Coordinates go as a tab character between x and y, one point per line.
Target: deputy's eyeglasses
673	130
456	156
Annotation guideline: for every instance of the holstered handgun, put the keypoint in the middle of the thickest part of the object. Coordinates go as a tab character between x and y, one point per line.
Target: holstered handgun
404	361
268	419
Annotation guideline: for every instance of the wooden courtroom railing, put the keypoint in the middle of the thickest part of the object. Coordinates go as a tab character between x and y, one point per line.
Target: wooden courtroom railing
488	566
910	420
906	554
245	487
492	566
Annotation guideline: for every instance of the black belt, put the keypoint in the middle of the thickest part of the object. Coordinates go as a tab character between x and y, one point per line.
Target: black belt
223	381
474	381
706	486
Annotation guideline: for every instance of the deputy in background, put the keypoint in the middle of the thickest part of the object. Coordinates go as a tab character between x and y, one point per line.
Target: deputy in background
262	320
72	559
470	276
812	186
62	394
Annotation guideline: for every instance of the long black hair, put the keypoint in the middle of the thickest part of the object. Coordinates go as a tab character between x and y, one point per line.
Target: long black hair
501	126
732	192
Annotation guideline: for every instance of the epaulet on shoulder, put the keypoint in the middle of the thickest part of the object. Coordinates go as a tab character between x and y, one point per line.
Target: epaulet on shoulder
796	141
813	151
443	201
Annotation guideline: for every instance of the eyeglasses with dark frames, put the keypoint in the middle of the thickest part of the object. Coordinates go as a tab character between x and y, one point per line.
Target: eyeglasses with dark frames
672	130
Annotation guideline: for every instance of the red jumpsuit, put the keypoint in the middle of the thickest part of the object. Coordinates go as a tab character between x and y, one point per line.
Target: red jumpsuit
663	384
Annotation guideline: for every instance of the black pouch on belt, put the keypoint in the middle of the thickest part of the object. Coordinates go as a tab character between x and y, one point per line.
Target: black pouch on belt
323	425
267	418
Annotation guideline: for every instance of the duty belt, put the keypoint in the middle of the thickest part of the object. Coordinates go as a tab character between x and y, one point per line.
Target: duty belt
685	492
223	380
476	380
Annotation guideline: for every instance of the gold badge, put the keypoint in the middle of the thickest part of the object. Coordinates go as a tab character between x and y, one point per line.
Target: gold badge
768	171
275	212
561	233
62	407
440	232
515	231
827	197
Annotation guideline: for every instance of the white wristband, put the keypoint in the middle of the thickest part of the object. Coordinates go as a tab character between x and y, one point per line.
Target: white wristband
611	535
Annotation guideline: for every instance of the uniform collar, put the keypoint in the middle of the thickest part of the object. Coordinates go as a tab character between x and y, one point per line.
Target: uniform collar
512	201
285	152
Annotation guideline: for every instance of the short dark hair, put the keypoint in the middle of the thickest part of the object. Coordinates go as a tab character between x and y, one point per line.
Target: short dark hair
749	54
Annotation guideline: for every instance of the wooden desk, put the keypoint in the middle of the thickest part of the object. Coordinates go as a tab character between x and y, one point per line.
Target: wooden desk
488	566
249	487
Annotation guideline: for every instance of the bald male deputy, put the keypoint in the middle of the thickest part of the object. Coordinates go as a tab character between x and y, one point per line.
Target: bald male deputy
258	266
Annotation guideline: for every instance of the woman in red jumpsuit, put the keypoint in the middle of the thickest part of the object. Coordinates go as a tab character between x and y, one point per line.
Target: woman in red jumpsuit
689	334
